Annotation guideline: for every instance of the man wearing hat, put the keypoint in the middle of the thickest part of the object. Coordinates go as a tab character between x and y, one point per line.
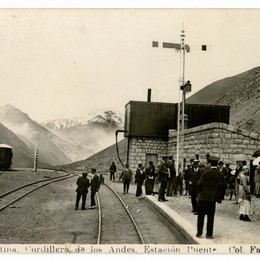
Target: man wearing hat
139	179
195	174
208	185
95	184
126	177
224	173
163	174
82	190
150	178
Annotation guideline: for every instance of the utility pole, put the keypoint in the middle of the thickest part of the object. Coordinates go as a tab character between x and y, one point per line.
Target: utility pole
36	151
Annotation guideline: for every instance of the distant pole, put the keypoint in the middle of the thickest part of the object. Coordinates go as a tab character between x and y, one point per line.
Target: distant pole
36	152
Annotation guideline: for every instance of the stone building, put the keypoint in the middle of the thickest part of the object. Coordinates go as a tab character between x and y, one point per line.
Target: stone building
215	137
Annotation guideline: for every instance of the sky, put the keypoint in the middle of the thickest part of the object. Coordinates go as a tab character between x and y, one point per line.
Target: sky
60	63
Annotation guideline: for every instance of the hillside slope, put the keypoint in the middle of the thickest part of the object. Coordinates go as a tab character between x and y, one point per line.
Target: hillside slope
244	102
101	160
28	131
219	88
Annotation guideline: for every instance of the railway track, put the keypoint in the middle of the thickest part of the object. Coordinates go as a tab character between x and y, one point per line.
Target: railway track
10	197
113	213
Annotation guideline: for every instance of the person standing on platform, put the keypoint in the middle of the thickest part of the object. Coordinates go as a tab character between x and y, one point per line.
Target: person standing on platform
186	179
94	186
149	178
172	180
139	179
244	197
126	177
82	190
238	170
112	170
194	177
208	186
163	174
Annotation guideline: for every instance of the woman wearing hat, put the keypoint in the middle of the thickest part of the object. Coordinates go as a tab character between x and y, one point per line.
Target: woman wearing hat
244	198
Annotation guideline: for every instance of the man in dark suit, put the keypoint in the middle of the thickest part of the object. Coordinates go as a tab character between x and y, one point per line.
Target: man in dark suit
126	177
95	184
208	185
139	179
82	190
163	174
195	174
172	180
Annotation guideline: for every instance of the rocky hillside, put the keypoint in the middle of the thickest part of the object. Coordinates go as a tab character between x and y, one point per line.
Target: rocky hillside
219	88
244	102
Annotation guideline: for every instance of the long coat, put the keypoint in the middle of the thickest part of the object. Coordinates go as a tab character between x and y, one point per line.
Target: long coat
208	184
83	185
162	172
139	177
95	183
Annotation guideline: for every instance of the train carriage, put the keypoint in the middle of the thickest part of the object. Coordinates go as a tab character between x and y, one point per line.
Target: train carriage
6	155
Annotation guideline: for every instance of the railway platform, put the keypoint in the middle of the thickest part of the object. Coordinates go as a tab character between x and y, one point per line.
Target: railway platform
228	229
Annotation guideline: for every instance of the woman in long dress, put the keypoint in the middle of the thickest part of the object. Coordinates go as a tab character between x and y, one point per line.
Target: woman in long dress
244	197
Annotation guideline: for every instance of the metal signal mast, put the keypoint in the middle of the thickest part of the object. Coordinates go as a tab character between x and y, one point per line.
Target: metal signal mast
185	87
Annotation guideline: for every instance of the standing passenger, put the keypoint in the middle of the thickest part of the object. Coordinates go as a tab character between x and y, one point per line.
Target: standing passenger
95	184
172	180
82	190
207	189
244	197
149	178
112	170
186	179
162	177
139	179
126	176
194	178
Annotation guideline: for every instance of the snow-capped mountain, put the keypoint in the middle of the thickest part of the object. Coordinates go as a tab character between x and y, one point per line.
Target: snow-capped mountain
107	118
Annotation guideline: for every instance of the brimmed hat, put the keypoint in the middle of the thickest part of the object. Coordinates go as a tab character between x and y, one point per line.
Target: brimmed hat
196	161
93	169
220	162
213	159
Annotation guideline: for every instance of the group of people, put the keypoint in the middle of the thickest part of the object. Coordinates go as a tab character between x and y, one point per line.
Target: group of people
84	184
150	176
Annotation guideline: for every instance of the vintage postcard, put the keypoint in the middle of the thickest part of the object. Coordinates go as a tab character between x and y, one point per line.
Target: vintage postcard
129	131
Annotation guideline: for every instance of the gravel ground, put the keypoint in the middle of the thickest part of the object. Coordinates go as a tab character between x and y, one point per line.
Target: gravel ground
48	216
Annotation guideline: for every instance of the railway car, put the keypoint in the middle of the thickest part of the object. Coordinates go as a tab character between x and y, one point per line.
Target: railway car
6	155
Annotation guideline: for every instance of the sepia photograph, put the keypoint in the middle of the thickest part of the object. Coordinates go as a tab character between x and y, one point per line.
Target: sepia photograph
129	131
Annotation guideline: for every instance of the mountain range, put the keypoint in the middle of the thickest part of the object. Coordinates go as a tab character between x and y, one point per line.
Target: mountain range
82	142
56	143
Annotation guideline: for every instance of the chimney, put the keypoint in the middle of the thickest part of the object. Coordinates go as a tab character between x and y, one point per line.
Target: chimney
149	95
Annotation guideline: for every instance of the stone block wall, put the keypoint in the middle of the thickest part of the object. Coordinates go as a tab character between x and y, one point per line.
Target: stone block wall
139	147
217	139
